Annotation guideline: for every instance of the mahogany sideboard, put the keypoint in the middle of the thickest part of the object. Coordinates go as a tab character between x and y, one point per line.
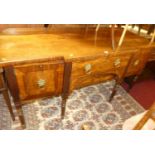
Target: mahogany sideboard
45	65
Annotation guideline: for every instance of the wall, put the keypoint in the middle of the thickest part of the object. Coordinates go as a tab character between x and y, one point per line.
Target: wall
5	26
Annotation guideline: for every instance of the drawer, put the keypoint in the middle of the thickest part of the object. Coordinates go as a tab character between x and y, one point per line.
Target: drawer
93	70
152	55
138	62
39	80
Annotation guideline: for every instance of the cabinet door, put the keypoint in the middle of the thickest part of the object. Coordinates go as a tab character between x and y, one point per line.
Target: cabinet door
37	80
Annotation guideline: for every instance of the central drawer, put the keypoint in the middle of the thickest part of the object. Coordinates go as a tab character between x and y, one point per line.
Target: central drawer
93	70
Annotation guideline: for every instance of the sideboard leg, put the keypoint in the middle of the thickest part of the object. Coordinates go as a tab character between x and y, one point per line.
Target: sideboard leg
66	87
14	90
129	80
132	82
20	115
8	103
63	108
4	91
113	92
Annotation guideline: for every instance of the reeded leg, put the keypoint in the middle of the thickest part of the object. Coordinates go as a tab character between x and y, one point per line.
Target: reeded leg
20	115
8	103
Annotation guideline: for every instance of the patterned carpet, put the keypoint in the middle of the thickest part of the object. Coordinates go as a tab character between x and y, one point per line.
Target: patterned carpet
85	106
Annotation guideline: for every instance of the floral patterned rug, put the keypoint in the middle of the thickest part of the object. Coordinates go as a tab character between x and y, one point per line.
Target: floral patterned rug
87	106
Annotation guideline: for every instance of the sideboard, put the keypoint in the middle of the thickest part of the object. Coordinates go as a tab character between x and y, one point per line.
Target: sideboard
53	64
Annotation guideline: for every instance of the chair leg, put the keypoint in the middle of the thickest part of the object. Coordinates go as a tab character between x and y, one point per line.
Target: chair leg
20	115
139	29
8	103
96	31
151	29
133	25
86	29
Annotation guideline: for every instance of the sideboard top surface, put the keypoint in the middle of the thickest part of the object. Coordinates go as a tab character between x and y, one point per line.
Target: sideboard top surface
69	45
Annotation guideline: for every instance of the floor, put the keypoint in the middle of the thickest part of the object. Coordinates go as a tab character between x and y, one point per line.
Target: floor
144	89
87	106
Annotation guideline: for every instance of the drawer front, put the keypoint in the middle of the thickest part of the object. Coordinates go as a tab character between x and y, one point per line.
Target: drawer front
152	55
135	64
39	80
96	70
139	60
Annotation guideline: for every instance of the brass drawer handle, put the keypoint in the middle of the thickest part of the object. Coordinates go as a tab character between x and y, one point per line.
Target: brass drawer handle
106	53
136	62
117	62
88	68
41	83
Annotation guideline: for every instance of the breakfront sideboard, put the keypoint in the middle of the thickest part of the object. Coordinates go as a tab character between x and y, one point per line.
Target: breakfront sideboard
46	65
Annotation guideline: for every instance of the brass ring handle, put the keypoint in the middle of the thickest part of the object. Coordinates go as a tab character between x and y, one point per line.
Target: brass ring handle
136	62
88	68
106	53
117	62
41	83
